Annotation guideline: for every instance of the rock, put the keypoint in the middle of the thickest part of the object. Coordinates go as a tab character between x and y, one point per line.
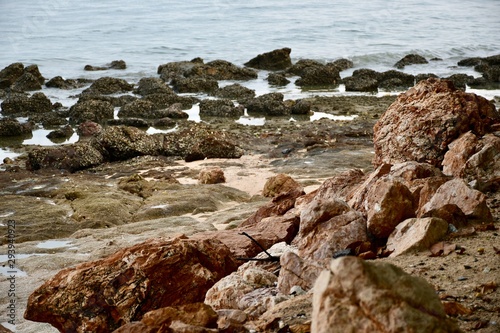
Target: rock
279	205
88	128
457	192
228	292
140	108
121	142
211	176
416	235
364	80
115	64
270	104
277	79
22	105
410	59
356	197
27	82
296	271
198	141
106	294
423	77
152	85
165	122
280	183
231	321
107	86
268	231
319	75
476	160
388	203
137	185
301	106
361	296
273	61
196	317
221	70
300	66
116	101
235	91
320	209
331	236
394	80
220	108
72	157
423	121
450	213
460	81
61	133
172	70
194	85
12	127
93	110
342	64
10	74
67	84
292	315
134	122
163	101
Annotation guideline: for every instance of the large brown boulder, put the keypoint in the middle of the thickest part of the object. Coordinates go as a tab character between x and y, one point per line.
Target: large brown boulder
272	61
360	296
423	121
102	295
10	74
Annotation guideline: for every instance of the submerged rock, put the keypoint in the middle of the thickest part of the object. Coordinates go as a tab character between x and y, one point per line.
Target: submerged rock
410	59
115	64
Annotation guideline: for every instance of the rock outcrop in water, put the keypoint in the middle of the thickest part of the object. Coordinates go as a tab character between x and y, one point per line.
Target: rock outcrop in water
273	61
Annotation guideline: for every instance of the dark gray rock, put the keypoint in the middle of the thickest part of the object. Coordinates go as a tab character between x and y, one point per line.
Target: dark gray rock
115	64
72	157
236	92
26	82
275	60
93	110
301	106
319	75
61	133
410	59
277	79
220	108
118	143
67	84
10	74
342	64
221	70
138	108
162	101
152	85
460	81
364	80
395	80
195	85
424	76
271	104
172	70
12	127
108	85
134	122
19	104
299	67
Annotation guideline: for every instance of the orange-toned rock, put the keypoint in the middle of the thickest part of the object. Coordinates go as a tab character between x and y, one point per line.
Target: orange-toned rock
457	192
360	296
102	295
211	176
280	183
296	271
388	202
423	121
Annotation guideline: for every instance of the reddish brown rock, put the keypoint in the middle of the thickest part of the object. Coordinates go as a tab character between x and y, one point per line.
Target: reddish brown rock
356	197
268	231
88	128
211	176
321	208
416	235
458	153
333	235
359	296
280	183
423	121
388	203
103	295
196	317
475	159
457	192
279	205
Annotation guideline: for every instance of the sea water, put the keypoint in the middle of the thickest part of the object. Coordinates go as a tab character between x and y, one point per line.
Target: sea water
62	36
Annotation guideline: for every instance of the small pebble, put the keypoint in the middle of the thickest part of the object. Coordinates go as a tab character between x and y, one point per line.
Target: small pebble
480	250
467	267
486	270
462	278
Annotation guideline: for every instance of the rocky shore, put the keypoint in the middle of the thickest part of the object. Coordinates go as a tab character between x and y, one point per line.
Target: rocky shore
386	222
